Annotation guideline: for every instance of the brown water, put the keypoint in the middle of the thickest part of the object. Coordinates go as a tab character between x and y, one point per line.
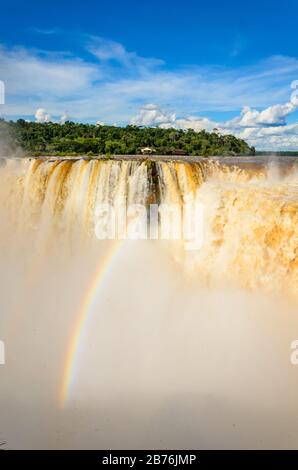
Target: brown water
178	348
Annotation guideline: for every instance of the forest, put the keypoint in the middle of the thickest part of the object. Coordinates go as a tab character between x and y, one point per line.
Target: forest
92	140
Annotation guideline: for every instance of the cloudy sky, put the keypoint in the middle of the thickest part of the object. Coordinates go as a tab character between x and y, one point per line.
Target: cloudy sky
155	63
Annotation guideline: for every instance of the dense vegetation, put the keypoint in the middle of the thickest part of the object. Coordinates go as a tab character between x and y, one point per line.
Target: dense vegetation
77	139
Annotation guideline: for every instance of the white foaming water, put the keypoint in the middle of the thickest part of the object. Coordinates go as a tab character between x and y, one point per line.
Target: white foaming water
175	350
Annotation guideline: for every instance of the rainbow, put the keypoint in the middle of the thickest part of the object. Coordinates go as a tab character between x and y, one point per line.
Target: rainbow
81	321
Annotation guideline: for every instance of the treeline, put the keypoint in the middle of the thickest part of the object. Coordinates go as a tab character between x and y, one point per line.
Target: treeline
88	139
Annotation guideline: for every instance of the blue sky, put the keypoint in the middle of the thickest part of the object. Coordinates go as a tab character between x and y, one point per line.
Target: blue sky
183	64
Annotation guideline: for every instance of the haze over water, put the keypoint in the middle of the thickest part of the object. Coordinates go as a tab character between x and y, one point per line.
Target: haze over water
126	344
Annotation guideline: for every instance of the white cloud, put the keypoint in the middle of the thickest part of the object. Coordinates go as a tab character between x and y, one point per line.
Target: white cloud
64	118
271	116
271	138
43	75
106	50
43	31
113	83
41	115
264	129
152	115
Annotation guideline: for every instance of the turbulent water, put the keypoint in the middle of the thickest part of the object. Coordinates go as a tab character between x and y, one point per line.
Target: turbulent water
180	347
250	217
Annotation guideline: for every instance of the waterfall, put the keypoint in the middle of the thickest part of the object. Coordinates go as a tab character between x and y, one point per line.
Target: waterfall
250	217
125	343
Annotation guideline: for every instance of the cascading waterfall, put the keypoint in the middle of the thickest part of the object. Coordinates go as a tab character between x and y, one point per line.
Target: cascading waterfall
250	217
120	344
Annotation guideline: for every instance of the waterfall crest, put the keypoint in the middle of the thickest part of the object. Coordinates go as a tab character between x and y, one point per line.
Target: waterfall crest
250	217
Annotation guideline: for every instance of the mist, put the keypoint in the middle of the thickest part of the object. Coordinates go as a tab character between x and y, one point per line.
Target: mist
166	359
8	143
